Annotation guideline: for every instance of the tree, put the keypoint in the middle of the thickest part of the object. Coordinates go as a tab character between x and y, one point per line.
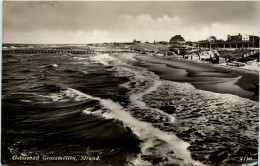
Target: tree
212	38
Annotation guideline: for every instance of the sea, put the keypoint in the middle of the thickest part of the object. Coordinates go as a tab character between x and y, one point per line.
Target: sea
112	109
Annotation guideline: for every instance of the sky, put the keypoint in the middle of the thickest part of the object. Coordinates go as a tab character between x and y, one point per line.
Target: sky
67	22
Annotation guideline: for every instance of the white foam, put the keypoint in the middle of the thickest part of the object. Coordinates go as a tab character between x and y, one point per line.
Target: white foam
136	99
54	65
57	97
82	60
125	57
79	58
141	76
139	161
26	101
146	132
87	111
161	142
62	96
104	59
73	95
152	137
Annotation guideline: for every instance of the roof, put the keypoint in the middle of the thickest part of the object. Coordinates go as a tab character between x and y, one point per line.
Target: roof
177	38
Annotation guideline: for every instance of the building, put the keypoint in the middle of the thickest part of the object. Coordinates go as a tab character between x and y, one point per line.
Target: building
220	59
135	41
241	38
245	38
177	39
234	38
212	38
237	41
163	42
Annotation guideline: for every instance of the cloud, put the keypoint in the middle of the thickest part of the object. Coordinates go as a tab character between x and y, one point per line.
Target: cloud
52	37
147	21
128	27
145	27
75	22
221	30
142	27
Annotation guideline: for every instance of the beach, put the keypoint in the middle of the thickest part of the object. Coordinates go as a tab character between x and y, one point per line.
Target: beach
204	76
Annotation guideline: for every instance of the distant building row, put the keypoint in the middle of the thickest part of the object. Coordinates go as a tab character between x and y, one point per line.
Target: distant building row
234	41
245	38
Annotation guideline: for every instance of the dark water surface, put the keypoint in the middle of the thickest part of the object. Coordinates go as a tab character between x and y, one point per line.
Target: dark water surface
39	120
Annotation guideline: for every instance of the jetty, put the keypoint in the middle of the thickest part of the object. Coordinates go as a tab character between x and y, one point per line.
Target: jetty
69	51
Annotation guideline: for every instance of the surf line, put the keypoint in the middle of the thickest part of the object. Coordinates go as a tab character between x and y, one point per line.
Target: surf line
136	98
146	132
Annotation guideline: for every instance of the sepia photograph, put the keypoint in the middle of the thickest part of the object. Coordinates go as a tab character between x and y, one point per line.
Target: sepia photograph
121	83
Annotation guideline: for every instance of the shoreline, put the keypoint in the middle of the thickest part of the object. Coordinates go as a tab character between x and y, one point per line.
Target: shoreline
198	114
221	66
204	119
204	76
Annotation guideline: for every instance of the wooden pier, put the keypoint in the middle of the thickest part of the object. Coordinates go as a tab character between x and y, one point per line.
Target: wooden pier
49	51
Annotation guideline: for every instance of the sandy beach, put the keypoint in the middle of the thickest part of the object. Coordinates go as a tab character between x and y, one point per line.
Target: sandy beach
204	76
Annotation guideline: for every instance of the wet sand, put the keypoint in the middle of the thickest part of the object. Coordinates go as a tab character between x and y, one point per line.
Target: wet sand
204	76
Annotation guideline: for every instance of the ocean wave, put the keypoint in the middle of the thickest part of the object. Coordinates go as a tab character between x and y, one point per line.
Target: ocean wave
164	113
51	66
26	101
156	143
142	82
159	115
199	115
61	96
104	59
70	71
205	118
82	60
52	87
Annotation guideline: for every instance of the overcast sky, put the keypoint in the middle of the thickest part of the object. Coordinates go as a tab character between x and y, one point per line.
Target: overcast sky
87	22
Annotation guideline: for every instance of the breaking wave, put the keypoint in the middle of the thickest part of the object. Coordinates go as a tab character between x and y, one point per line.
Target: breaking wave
155	142
161	112
157	146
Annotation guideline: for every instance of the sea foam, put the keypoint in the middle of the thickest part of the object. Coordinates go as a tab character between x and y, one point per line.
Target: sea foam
165	143
156	143
104	59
